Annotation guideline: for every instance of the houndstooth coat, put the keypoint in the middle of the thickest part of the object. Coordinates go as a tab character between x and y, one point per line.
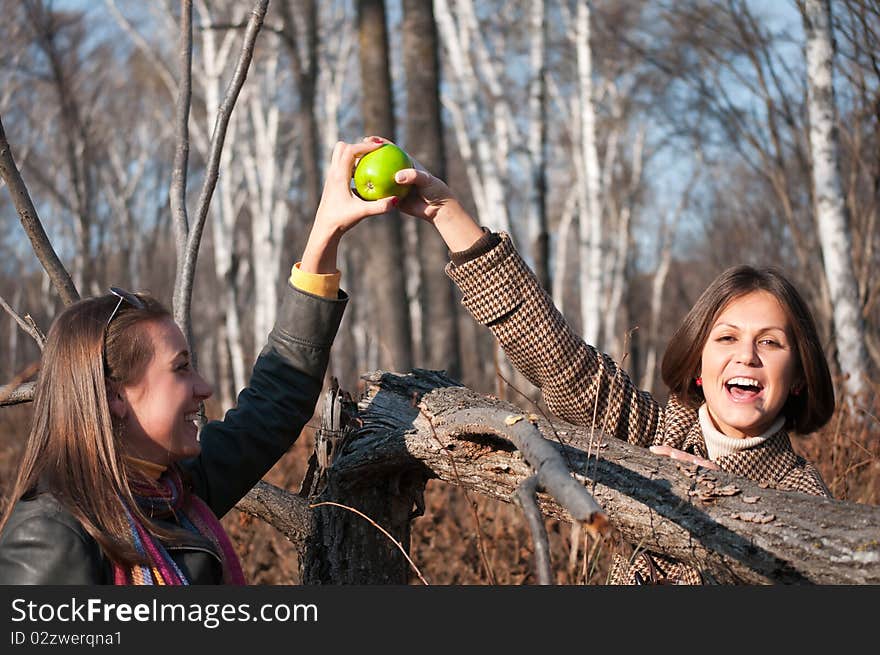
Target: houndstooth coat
501	292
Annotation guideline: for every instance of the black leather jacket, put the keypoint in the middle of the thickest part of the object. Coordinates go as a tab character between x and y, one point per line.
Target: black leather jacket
44	544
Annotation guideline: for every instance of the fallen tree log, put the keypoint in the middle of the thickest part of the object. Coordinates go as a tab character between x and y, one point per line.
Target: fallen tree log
16	394
730	528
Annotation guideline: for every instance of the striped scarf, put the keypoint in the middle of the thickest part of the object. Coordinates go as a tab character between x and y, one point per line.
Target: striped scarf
168	498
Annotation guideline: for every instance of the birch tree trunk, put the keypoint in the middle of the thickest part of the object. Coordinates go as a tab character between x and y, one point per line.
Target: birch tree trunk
463	104
589	204
537	144
667	232
830	207
225	210
122	180
268	173
12	354
618	282
563	239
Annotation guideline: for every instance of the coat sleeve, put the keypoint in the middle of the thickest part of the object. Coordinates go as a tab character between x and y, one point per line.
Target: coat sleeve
577	381
272	410
42	549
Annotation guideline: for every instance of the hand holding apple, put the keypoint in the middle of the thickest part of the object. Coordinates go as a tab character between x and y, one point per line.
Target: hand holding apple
374	174
431	200
339	210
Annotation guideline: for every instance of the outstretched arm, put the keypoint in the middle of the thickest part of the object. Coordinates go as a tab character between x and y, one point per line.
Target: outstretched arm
339	210
288	376
578	382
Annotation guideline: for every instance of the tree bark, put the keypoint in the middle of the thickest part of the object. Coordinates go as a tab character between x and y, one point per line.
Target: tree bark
731	528
382	233
537	144
589	199
304	61
424	141
183	285
832	215
481	160
225	211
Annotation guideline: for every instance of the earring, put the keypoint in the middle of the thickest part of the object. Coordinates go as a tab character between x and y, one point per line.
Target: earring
699	381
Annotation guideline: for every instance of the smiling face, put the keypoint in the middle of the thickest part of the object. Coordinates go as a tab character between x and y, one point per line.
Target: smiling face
160	409
749	365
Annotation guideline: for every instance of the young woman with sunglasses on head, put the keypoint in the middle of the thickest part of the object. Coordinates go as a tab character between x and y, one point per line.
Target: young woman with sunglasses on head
744	369
116	485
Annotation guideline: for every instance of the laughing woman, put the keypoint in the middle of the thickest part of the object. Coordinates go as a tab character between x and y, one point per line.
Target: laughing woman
744	369
115	485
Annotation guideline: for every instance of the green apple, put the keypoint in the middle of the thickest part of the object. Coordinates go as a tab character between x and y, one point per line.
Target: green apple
374	173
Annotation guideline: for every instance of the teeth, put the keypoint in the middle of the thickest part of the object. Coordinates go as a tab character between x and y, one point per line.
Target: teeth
745	382
191	417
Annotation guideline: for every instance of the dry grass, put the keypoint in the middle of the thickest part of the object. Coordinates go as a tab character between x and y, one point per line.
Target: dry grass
847	453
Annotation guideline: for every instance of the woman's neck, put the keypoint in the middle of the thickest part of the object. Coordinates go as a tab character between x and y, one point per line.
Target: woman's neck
719	444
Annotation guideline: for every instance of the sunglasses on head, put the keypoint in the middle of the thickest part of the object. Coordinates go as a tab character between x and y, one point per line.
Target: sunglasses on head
126	296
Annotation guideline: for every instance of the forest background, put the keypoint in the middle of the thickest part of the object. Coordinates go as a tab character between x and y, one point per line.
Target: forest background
632	148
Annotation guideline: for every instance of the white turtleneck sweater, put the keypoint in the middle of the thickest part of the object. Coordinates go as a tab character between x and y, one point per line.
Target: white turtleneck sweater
719	444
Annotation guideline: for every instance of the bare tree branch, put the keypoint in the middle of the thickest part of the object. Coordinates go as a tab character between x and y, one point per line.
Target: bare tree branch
527	498
30	221
27	323
177	194
183	286
285	511
553	475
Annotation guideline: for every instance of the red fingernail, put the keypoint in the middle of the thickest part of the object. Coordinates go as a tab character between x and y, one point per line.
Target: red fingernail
377	139
394	201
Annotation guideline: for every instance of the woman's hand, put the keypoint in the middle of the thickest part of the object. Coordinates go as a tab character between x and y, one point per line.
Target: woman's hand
431	200
339	209
681	456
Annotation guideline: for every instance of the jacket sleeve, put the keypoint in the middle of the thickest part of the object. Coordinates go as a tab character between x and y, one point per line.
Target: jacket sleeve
271	411
577	381
40	548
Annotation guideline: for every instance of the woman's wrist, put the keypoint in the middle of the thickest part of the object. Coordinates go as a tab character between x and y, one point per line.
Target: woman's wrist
456	226
319	255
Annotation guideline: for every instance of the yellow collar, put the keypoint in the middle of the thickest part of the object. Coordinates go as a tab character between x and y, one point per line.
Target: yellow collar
150	469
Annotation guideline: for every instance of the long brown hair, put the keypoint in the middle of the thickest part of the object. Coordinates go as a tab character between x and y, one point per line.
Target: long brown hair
74	449
805	412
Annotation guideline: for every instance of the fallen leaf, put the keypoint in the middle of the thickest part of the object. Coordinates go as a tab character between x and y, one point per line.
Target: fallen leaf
512	419
751	500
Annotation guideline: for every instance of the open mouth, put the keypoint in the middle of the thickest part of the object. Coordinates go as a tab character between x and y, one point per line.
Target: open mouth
743	389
